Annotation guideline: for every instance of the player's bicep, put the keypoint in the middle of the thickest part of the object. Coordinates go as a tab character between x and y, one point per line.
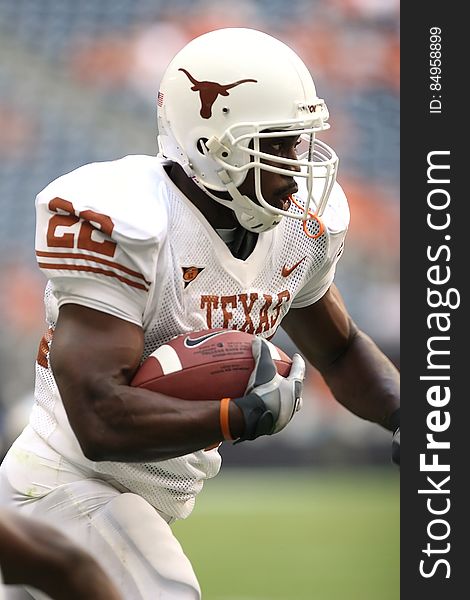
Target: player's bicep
88	342
92	354
322	330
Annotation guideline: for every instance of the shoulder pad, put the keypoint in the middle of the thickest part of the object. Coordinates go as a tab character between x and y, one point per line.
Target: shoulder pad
104	223
336	215
125	192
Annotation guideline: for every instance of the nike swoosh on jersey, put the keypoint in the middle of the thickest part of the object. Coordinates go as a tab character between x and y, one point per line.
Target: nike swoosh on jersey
191	342
286	271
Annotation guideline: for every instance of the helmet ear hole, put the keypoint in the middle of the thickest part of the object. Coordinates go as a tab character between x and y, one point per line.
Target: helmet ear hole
201	145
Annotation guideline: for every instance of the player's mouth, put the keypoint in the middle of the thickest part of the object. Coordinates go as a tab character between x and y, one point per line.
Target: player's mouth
284	197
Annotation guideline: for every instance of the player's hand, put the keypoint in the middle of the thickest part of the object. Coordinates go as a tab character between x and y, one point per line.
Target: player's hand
396	447
270	400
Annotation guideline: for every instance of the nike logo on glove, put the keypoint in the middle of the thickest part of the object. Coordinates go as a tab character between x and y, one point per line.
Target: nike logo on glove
286	271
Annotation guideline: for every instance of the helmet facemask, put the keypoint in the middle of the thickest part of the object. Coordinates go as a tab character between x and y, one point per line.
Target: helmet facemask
317	163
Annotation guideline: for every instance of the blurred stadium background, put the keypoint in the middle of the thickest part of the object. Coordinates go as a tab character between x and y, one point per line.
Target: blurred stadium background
78	82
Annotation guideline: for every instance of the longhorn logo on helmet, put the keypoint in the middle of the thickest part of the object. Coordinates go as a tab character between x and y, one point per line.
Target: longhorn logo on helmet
209	91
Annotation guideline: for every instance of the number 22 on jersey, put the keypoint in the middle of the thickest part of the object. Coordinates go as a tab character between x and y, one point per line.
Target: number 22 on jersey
91	221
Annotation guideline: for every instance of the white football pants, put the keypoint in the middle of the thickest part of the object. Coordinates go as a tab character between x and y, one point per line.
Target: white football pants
131	540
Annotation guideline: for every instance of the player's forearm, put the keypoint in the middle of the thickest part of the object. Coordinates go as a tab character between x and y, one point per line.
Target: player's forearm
130	424
365	381
93	357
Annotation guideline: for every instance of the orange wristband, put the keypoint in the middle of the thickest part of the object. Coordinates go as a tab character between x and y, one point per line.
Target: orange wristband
224	418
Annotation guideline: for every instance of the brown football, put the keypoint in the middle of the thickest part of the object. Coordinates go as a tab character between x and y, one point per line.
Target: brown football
204	365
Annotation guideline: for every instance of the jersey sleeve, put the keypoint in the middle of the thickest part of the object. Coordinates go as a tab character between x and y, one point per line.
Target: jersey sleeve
336	220
98	234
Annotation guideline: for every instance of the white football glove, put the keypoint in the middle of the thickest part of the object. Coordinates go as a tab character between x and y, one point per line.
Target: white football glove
270	400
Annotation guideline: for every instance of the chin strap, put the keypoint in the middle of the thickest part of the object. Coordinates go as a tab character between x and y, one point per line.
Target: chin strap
249	215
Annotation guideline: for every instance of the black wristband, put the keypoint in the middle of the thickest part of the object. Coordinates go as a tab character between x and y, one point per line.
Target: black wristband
258	420
393	421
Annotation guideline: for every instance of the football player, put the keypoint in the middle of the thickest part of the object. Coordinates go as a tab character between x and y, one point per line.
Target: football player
237	223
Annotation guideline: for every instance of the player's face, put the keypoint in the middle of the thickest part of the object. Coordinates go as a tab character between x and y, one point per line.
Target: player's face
276	188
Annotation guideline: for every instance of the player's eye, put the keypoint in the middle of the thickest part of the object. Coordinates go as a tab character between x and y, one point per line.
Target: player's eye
282	146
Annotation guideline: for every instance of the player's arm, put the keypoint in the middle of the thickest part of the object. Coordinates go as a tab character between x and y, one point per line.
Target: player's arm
359	375
101	268
37	555
93	357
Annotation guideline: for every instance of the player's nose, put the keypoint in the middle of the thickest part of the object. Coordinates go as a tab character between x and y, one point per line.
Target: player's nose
292	155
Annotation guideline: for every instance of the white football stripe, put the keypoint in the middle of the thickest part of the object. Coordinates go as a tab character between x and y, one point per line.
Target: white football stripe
273	350
168	359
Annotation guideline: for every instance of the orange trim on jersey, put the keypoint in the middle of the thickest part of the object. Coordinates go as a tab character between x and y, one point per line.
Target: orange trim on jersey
314	217
103	261
224	418
87	269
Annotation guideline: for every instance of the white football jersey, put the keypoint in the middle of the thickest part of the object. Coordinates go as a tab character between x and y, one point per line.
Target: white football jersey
120	237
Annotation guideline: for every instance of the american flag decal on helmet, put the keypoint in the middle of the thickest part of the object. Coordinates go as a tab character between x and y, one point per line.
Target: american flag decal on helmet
160	99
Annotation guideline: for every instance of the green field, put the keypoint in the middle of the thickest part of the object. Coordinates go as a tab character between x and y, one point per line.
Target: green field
276	535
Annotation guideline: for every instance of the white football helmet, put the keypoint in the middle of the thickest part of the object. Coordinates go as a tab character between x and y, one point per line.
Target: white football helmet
221	94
